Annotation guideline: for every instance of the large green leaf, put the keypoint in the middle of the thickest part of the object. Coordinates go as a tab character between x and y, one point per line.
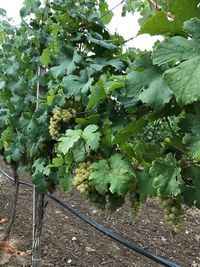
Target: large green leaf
191	193
91	137
130	130
68	140
175	49
181	10
166	176
72	85
192	141
192	27
184	81
115	175
145	185
157	95
136	81
60	70
66	182
98	93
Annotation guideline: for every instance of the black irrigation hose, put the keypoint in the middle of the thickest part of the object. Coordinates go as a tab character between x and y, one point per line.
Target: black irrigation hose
104	230
114	236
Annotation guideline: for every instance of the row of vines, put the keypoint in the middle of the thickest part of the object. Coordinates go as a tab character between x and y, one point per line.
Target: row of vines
78	110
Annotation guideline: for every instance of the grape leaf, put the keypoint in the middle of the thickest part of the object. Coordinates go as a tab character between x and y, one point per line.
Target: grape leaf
137	80
2	85
192	141
92	137
2	12
191	121
191	193
157	95
98	93
45	57
131	129
75	60
192	196
66	182
57	162
106	15
100	176
68	140
101	42
145	185
60	70
181	10
184	81
114	175
72	85
175	49
192	27
166	176
41	185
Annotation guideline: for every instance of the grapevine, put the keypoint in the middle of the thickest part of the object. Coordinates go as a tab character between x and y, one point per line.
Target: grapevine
135	106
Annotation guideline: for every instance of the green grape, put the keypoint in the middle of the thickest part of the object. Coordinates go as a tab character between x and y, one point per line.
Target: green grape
135	205
172	216
83	184
167	210
175	210
59	119
164	203
172	212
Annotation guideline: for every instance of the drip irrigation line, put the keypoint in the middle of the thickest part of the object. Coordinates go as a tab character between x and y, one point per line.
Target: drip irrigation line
114	236
103	230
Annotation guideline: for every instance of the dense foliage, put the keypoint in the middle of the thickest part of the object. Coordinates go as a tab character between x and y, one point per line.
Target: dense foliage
77	110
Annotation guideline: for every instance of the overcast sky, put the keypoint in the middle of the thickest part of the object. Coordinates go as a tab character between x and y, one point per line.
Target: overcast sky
125	26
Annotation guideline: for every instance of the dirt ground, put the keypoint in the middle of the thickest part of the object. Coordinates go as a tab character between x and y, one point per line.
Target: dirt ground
67	241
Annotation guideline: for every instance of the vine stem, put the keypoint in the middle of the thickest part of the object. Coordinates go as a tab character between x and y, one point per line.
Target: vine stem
8	230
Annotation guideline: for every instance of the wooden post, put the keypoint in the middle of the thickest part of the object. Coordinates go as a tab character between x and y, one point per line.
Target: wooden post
37	228
8	230
38	209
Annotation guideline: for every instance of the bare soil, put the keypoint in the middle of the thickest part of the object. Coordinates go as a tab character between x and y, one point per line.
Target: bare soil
67	241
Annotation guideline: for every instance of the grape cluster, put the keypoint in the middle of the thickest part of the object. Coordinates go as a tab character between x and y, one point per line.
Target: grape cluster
59	119
172	212
81	178
136	204
5	145
83	184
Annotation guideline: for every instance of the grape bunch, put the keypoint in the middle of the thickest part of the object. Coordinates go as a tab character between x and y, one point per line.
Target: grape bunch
136	204
58	121
5	145
83	184
81	178
172	212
